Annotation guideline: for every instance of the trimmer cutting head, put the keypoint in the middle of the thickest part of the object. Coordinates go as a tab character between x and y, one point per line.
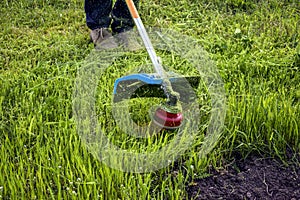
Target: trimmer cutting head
168	117
169	114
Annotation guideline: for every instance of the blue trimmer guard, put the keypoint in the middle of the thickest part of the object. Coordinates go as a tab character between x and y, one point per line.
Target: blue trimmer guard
150	85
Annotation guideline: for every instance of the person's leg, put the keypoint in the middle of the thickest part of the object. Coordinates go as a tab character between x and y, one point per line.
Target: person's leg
98	13
122	20
98	20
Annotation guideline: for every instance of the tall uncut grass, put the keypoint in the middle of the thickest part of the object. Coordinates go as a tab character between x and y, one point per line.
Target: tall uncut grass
255	45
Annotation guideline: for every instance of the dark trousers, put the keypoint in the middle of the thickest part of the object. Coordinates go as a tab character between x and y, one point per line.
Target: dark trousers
101	14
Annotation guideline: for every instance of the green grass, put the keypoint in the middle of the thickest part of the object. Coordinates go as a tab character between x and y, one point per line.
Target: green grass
255	45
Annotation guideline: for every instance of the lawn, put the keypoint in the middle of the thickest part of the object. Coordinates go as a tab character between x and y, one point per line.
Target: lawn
256	50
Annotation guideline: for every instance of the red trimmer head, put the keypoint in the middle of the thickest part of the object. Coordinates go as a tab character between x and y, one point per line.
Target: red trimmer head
169	114
167	120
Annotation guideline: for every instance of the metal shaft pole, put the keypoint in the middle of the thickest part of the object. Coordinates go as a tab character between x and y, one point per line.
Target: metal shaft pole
144	35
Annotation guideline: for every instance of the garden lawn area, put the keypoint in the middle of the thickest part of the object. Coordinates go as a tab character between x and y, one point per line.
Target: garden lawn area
255	47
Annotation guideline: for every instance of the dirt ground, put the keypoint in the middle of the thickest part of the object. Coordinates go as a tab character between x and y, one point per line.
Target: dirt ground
254	178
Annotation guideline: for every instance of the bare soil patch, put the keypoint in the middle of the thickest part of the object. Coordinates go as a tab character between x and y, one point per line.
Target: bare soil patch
253	178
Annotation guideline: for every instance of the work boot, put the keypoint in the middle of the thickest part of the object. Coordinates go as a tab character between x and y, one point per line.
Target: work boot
129	41
102	39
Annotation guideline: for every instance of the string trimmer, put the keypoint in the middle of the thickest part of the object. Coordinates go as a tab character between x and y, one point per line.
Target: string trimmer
169	114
